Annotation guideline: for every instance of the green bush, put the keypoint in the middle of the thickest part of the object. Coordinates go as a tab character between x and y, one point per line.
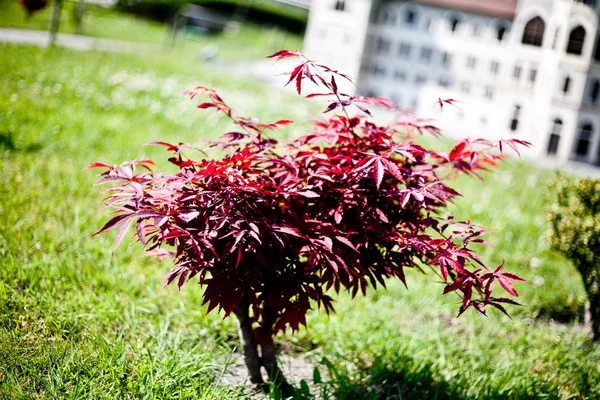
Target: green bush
575	219
264	12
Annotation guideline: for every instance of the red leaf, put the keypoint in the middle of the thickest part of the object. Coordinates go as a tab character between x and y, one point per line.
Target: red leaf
299	83
99	165
281	54
207	105
318	95
287	230
121	233
378	173
113	223
308	193
346	242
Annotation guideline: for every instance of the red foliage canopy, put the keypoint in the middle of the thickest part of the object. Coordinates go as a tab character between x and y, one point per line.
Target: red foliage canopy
276	226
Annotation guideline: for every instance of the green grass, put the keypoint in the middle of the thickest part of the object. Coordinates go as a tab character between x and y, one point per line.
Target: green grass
77	322
245	42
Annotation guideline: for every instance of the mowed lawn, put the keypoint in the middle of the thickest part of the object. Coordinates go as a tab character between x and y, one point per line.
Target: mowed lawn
78	322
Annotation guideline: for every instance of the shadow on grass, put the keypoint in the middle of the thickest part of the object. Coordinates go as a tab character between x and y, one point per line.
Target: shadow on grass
8	143
406	379
562	313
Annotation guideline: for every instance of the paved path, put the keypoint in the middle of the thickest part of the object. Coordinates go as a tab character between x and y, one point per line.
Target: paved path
78	42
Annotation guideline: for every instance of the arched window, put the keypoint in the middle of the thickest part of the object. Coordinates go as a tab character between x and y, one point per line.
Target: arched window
340	5
387	17
554	138
595	91
534	32
410	18
585	138
576	40
454	24
500	33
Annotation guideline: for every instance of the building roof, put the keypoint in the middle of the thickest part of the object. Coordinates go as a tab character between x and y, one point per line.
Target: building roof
497	8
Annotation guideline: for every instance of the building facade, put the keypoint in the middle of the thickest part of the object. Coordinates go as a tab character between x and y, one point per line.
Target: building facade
527	69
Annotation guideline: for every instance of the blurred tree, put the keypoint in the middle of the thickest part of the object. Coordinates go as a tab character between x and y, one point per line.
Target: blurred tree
54	23
78	15
575	219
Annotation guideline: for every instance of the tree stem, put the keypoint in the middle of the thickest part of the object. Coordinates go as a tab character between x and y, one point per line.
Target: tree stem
275	374
594	296
251	358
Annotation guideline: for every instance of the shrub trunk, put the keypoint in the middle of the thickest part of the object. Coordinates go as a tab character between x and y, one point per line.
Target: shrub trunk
267	358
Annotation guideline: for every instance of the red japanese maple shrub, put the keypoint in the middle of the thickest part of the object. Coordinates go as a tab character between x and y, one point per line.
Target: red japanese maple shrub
270	227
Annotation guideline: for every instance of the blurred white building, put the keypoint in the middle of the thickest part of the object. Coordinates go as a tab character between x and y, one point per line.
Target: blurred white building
528	69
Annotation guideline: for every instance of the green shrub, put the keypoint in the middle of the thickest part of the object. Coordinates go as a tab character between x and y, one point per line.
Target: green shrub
575	219
265	12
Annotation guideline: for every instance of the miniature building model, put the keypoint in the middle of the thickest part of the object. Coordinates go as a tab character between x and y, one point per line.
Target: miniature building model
527	69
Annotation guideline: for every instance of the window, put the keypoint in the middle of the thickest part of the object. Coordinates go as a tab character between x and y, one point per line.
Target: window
465	87
597	52
489	93
585	138
500	32
532	75
446	59
426	53
382	46
554	138
410	18
454	24
387	18
378	71
420	79
534	32
471	62
444	82
514	122
340	5
494	67
595	91
476	31
566	85
404	50
399	75
576	40
517	72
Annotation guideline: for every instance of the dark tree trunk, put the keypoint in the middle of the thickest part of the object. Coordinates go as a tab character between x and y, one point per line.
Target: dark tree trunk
251	358
275	375
267	359
594	294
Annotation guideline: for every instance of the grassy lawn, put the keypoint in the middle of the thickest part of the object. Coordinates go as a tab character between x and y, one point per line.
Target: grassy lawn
246	42
77	322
